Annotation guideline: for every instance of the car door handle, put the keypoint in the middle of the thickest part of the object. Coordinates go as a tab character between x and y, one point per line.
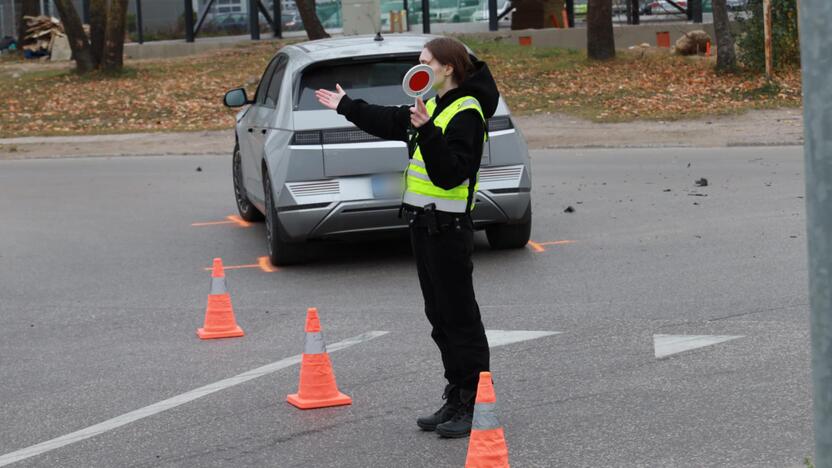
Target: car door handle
251	130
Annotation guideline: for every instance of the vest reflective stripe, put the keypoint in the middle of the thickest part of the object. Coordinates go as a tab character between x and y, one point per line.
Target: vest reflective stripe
314	343
419	190
418	163
485	416
449	205
420	173
218	285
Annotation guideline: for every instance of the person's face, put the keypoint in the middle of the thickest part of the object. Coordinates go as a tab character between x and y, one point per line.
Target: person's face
441	72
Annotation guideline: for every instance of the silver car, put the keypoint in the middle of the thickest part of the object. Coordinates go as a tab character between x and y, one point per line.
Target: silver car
312	175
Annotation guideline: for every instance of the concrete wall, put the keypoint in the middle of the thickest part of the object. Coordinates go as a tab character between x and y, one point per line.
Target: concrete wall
625	35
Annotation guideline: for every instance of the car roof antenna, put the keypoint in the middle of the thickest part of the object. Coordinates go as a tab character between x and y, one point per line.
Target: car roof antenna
378	37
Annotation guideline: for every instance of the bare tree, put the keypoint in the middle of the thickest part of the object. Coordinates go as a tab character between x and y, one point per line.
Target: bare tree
98	21
113	57
27	8
105	46
726	55
314	29
599	34
75	34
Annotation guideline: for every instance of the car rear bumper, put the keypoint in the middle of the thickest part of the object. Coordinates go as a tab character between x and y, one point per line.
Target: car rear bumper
503	199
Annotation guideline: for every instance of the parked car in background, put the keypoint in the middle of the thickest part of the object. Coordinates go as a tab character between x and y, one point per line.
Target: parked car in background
447	11
291	21
312	175
230	22
502	7
737	5
663	7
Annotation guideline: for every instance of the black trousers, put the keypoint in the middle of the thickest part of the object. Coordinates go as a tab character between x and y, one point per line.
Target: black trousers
443	261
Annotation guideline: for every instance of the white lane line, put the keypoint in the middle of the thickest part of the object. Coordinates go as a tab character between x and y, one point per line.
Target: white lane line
504	337
178	400
666	345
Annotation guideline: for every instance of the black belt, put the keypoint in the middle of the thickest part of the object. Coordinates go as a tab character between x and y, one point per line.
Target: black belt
434	221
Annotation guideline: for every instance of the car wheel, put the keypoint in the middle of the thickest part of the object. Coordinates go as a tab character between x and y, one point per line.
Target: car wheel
511	236
281	253
247	210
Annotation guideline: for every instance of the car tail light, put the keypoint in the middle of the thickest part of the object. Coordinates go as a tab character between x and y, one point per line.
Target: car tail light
333	136
355	135
347	135
495	124
307	137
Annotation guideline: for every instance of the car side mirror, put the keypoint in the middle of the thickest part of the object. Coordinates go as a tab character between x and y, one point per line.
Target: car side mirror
236	98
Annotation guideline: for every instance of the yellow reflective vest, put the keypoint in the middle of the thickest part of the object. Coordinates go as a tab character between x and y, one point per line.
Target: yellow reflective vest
419	190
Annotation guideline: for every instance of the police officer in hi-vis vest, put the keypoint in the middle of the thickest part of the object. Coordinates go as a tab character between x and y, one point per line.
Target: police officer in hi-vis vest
446	148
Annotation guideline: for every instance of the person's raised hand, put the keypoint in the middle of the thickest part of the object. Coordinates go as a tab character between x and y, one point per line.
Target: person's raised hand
329	99
419	114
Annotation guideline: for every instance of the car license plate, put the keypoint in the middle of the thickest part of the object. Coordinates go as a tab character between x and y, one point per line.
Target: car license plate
387	186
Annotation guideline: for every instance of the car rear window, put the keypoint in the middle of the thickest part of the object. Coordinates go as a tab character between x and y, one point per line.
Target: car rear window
378	82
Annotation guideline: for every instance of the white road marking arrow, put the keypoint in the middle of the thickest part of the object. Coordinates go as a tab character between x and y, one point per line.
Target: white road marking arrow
666	345
504	337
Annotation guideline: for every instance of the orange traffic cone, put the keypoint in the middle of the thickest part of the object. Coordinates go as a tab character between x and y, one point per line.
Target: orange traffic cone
219	314
487	446
317	388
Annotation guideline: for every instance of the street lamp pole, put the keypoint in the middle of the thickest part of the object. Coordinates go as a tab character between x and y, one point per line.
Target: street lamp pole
815	42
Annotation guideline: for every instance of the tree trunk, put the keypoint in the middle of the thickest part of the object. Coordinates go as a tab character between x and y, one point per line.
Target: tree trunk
314	29
27	8
600	40
98	21
75	35
113	56
726	56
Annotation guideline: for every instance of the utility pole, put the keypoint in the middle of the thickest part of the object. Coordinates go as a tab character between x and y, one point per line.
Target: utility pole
815	43
425	17
139	22
767	33
189	21
277	16
492	15
254	19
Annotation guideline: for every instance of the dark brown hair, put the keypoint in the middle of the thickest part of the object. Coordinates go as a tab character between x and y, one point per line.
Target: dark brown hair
449	51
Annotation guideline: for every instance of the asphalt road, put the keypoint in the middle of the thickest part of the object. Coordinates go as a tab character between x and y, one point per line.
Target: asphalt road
103	284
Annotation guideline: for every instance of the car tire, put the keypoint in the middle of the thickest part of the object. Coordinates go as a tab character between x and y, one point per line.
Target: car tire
247	210
510	236
281	253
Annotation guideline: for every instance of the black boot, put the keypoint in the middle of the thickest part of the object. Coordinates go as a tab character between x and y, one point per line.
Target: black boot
443	414
460	424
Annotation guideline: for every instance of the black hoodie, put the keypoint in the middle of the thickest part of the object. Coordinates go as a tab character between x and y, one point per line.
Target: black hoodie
450	158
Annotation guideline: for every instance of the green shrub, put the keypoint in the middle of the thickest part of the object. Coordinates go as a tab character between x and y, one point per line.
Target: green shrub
784	35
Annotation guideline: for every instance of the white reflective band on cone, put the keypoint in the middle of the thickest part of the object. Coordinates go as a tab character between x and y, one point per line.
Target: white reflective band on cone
485	416
314	343
218	286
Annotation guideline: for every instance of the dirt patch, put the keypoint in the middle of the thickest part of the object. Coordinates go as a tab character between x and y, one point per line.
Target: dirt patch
763	127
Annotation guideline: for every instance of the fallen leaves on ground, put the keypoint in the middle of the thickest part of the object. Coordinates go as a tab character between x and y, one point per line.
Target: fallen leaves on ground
636	85
185	94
